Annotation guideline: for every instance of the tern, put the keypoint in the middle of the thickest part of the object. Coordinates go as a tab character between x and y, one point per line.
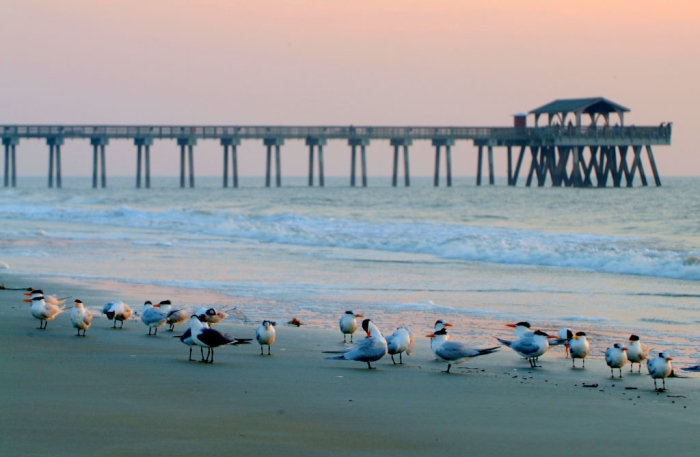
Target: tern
50	299
454	352
175	316
206	337
439	325
578	347
530	345
636	352
402	340
616	357
563	337
348	324
43	311
80	317
117	311
153	317
369	349
521	328
660	368
213	316
265	334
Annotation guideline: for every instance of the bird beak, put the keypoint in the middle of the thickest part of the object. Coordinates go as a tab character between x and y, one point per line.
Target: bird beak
26	300
510	325
551	337
359	315
447	324
575	337
432	335
669	358
27	294
369	334
624	348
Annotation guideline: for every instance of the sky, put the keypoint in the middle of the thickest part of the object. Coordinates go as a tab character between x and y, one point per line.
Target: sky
339	62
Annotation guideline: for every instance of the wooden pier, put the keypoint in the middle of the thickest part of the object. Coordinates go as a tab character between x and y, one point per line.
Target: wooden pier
560	153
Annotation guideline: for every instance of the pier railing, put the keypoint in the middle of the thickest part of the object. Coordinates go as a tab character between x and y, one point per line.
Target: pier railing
545	135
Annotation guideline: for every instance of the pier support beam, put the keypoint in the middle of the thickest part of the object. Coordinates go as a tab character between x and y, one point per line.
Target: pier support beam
187	142
276	142
652	163
363	143
319	142
233	142
516	172
98	157
10	144
143	143
396	143
448	143
54	143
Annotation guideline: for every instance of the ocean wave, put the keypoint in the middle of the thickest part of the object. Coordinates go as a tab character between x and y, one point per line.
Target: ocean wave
446	241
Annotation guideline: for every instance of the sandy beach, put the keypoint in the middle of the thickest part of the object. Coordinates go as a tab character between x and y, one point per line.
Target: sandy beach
119	392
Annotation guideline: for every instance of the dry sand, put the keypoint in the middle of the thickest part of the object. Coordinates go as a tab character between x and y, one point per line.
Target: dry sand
120	392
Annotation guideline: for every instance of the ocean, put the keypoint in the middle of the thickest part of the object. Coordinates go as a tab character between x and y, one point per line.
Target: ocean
610	262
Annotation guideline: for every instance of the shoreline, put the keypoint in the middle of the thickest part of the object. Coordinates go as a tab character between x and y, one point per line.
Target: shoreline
119	391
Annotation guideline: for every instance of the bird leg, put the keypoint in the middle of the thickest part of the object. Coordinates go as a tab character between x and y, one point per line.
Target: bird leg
115	323
261	350
351	337
190	353
371	367
268	349
400	359
156	332
449	365
392	359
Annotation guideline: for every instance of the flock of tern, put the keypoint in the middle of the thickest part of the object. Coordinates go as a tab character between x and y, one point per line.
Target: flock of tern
526	343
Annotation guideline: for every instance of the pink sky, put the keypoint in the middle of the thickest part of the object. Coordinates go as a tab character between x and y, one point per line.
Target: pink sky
337	62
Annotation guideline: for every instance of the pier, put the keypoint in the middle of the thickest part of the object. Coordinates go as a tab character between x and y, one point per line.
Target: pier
564	151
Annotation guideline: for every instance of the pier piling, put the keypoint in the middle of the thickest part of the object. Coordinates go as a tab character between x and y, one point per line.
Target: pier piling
363	143
276	142
233	142
187	143
144	143
10	174
98	160
396	143
54	143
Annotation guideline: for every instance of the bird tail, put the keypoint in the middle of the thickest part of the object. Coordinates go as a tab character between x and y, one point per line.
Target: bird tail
488	350
340	357
237	341
505	342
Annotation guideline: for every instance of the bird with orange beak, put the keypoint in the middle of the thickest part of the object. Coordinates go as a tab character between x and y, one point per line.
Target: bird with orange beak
616	357
454	352
531	345
578	347
80	317
42	310
348	324
660	368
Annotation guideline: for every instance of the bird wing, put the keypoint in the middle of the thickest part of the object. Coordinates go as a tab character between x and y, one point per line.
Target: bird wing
527	346
214	338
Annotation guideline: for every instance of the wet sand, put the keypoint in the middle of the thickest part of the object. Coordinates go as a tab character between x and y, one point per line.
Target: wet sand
119	392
